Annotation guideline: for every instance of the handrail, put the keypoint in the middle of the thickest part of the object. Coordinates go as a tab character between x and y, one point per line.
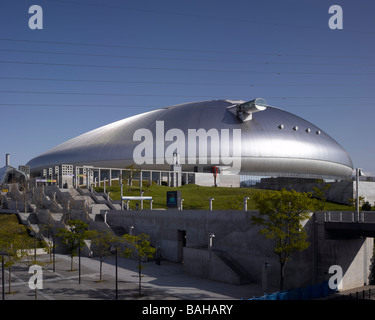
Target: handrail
360	217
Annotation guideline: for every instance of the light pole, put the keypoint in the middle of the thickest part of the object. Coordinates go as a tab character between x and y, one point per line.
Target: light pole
358	173
210	207
35	244
79	261
116	273
245	203
2	276
53	252
210	240
142	200
79	252
266	265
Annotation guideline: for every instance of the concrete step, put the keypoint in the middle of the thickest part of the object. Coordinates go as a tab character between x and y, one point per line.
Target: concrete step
244	278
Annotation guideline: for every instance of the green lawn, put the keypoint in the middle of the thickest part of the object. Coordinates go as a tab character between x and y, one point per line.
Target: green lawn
9	224
197	197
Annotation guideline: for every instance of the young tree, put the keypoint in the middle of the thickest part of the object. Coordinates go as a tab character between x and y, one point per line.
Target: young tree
72	237
280	215
318	193
366	206
235	202
47	231
11	246
130	174
138	246
353	201
101	244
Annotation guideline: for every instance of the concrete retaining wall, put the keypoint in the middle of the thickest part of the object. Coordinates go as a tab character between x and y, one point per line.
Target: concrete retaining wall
205	263
235	235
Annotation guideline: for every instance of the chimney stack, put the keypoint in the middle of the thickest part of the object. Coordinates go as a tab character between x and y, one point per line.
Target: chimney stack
7	159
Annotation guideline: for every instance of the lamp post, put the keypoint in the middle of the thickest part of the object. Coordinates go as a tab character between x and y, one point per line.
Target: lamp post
2	276
210	206
33	233
358	173
116	272
245	203
79	261
53	252
142	200
210	240
73	229
266	265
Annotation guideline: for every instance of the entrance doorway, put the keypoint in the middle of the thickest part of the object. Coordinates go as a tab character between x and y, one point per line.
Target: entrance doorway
181	243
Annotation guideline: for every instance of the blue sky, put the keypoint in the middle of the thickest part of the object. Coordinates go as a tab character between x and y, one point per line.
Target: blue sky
95	62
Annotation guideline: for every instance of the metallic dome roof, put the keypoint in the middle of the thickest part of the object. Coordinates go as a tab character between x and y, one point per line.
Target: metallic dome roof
272	141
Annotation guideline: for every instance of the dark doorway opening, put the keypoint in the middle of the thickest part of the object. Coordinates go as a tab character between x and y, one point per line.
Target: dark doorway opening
181	243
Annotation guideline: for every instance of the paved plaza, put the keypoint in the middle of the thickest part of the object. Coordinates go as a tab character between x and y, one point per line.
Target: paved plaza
166	281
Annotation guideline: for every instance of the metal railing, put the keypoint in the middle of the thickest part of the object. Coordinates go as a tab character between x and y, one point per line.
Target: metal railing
368	294
350	216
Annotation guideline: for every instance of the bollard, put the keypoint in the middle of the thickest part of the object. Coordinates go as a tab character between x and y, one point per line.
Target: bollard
211	199
245	203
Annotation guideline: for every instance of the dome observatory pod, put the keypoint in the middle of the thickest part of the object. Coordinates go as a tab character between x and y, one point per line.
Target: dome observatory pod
236	136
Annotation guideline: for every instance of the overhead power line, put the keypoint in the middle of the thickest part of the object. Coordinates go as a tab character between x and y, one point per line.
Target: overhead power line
104	94
183	69
242	84
165	106
185	59
83	44
76	105
171	95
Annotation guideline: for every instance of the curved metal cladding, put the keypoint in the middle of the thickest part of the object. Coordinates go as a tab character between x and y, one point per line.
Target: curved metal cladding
206	134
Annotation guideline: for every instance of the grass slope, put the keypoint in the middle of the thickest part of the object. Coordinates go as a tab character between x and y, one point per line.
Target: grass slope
197	197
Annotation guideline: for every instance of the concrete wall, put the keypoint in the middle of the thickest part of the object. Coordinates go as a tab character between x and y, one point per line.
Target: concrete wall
206	264
241	241
352	255
366	190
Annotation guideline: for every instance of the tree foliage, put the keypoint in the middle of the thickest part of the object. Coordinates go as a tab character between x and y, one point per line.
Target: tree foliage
281	214
353	201
366	206
318	193
102	243
73	237
138	246
15	247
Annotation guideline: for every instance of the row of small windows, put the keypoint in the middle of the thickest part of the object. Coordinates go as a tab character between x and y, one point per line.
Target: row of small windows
295	128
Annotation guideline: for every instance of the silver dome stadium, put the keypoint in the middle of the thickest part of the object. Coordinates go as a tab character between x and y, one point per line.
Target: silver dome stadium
236	136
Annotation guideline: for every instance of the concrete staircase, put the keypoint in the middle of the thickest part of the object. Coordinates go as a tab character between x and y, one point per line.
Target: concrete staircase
244	277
